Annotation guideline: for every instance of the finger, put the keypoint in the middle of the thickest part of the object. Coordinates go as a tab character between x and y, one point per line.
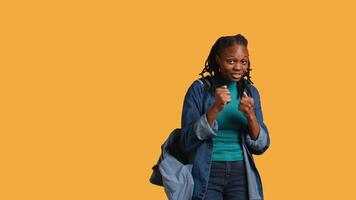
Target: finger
243	108
227	96
222	89
227	92
243	100
252	101
226	102
223	96
245	104
228	99
224	93
245	94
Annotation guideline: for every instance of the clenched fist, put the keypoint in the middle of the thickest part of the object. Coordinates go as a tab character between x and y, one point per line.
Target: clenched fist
247	105
222	97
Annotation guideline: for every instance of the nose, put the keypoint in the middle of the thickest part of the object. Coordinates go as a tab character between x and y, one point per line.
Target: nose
237	66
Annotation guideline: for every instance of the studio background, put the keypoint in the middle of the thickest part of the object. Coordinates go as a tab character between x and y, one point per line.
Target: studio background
91	89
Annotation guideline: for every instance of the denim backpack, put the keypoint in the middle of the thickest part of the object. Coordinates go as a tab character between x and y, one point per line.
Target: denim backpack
172	170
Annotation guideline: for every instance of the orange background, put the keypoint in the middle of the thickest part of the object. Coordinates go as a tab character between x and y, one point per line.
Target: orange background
90	90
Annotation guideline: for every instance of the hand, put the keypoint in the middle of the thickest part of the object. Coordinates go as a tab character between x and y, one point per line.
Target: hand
247	105
222	97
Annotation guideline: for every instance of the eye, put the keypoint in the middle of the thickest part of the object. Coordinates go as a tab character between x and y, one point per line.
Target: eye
244	62
230	61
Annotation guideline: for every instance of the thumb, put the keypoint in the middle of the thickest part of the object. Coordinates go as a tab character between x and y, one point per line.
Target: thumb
245	94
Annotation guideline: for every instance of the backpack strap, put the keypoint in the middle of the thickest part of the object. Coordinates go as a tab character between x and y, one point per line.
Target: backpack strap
206	84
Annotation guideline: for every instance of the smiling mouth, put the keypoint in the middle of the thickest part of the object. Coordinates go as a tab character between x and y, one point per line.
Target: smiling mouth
236	75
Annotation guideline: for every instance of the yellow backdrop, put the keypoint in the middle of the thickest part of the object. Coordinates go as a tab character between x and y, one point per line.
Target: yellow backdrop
90	90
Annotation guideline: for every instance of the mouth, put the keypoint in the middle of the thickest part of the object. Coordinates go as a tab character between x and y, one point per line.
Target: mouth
236	75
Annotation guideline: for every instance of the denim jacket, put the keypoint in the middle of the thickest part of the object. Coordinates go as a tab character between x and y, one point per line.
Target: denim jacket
196	138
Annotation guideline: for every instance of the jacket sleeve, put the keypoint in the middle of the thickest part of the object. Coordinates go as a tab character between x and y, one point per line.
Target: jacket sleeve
195	127
261	144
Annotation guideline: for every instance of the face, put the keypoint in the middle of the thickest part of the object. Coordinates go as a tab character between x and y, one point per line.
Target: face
233	62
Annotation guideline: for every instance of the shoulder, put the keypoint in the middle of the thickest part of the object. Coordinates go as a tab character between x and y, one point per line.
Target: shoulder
253	88
196	85
200	84
196	89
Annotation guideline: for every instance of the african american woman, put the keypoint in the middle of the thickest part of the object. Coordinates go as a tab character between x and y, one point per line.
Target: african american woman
222	125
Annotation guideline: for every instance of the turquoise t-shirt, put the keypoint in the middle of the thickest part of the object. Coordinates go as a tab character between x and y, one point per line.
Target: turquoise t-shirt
227	142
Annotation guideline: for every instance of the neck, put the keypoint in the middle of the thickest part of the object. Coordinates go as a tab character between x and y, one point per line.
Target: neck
223	81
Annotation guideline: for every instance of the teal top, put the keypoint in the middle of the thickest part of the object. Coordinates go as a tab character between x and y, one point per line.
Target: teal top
227	142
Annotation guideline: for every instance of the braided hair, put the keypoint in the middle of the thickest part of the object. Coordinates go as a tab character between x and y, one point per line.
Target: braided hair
212	67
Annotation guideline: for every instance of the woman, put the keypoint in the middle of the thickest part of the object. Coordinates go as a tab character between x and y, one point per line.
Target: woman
222	125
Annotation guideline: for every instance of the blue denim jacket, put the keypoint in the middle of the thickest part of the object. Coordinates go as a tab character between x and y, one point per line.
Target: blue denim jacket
196	138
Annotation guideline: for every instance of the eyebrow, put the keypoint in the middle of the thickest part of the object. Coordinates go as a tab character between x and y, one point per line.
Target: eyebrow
246	57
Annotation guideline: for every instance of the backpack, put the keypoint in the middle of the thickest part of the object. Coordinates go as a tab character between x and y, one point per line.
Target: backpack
172	169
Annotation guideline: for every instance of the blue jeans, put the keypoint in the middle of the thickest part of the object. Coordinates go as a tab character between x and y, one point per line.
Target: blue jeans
227	181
